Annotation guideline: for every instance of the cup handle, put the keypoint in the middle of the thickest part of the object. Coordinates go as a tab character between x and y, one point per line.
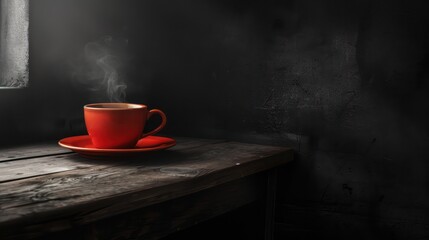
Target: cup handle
161	126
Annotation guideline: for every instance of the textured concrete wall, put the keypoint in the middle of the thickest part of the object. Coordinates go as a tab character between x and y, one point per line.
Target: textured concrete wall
344	82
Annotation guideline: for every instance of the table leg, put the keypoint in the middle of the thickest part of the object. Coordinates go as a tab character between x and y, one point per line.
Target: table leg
270	205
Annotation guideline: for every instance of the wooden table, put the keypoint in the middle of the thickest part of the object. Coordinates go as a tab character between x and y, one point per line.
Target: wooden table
48	192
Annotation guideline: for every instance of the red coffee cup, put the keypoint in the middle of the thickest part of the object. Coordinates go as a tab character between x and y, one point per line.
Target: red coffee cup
118	125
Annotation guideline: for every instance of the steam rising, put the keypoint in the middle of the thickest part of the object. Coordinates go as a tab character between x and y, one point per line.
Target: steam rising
103	63
115	89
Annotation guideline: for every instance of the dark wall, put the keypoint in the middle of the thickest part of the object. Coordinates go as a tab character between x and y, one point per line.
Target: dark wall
343	82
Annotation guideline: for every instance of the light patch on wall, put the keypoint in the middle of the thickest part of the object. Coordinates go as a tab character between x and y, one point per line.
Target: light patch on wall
14	43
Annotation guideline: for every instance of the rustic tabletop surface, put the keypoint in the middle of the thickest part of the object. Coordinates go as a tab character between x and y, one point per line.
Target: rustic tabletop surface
45	188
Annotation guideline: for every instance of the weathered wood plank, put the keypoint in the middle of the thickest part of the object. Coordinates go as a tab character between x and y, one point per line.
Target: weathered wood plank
36	166
187	142
150	222
50	149
30	151
14	170
111	187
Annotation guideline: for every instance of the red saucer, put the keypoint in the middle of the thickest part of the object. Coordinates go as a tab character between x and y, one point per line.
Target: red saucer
83	145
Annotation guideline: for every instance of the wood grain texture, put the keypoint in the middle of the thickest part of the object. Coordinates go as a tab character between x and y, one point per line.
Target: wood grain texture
31	151
44	161
14	170
91	190
159	220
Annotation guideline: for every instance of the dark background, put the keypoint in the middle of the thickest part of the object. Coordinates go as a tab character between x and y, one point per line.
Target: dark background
345	83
